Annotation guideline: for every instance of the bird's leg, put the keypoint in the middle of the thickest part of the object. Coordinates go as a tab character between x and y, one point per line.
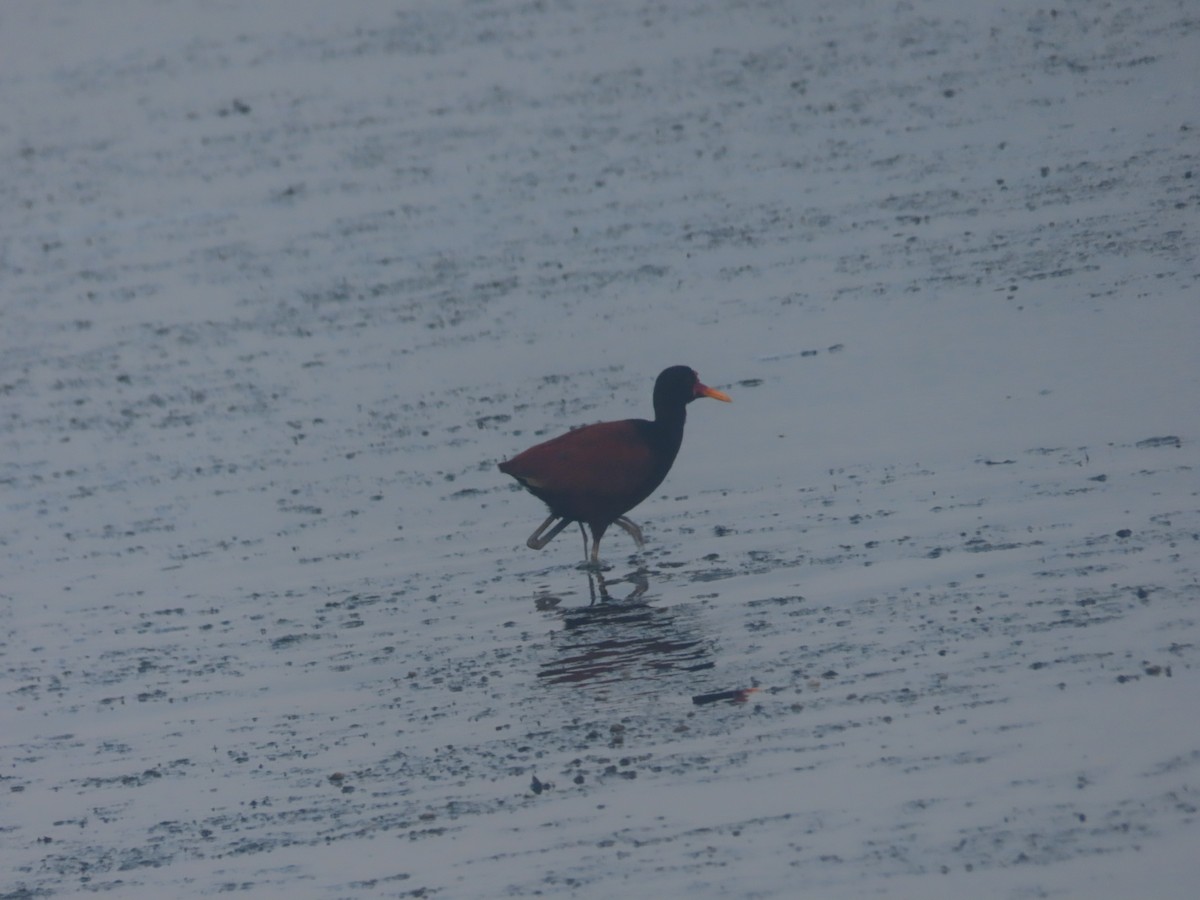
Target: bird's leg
537	540
597	533
634	531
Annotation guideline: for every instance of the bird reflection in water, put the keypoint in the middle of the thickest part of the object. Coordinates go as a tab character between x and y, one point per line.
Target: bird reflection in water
622	640
598	585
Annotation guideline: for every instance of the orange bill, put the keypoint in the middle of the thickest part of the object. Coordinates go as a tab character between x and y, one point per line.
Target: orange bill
703	390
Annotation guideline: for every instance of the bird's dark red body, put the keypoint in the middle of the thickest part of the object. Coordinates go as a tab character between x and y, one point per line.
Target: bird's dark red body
595	474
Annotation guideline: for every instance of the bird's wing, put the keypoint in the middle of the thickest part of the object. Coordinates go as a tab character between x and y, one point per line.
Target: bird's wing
606	459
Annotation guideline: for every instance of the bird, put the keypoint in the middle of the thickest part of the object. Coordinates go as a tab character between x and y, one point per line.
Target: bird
595	474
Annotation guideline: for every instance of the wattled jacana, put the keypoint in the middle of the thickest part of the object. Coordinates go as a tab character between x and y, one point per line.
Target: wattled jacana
597	473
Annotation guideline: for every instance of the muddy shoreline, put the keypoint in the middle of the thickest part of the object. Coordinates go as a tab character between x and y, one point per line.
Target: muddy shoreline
917	612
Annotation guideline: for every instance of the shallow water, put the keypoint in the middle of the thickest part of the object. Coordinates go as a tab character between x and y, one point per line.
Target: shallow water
282	286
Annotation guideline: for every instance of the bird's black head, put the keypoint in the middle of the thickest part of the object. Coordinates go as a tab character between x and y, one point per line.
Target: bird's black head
678	386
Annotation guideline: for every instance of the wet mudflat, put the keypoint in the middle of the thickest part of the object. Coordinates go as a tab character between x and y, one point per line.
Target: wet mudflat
918	612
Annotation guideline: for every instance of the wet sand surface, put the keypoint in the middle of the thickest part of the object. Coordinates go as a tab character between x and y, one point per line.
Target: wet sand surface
283	282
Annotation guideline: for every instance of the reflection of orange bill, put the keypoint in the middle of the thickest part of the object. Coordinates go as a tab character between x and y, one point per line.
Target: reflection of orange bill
738	696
